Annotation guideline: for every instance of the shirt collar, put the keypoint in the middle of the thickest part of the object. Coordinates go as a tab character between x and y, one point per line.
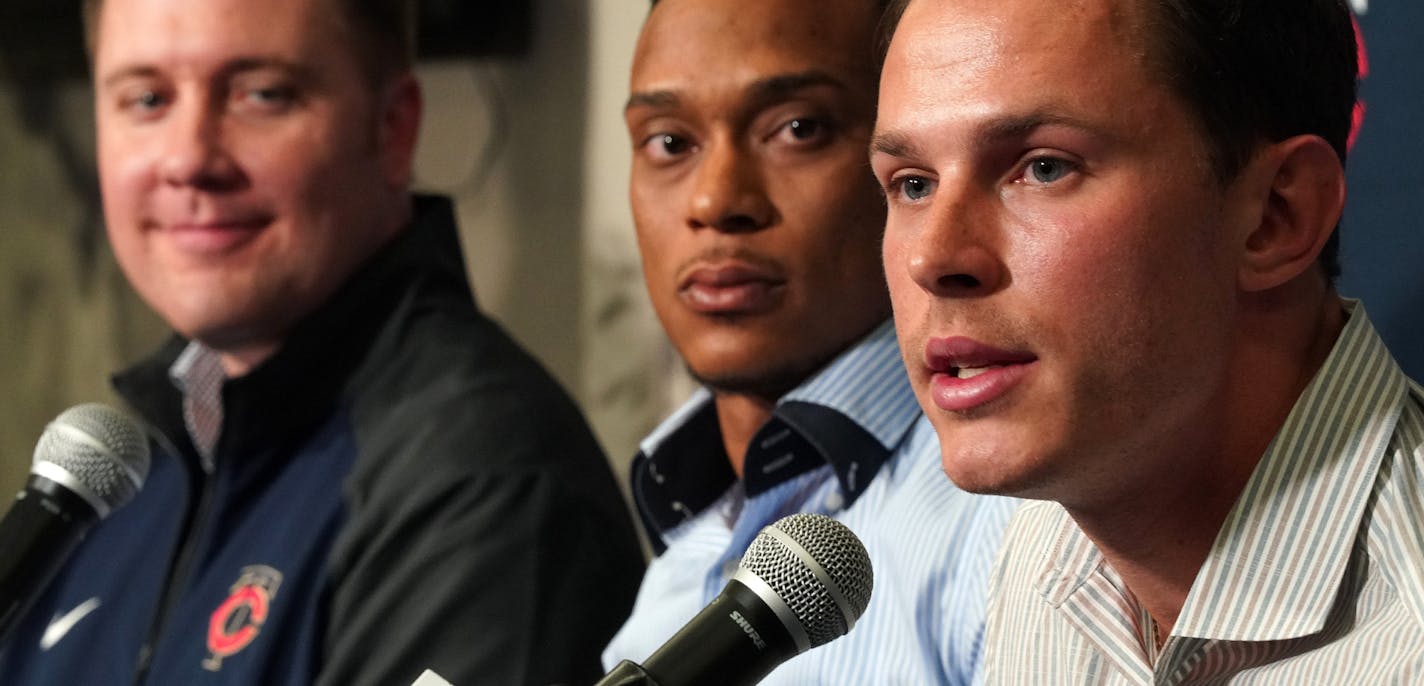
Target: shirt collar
198	375
850	415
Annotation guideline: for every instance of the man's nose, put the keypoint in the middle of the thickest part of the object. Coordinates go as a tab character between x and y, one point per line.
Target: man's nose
956	252
729	191
194	151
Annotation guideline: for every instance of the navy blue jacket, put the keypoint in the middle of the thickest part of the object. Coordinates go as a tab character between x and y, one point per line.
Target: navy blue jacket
400	487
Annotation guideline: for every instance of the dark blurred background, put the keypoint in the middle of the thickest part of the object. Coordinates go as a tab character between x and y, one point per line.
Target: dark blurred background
1382	239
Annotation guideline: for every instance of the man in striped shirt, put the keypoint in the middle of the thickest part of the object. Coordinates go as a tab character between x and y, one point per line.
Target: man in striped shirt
1111	258
759	228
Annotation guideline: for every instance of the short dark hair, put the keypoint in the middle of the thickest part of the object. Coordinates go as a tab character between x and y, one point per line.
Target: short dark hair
880	35
1251	71
384	33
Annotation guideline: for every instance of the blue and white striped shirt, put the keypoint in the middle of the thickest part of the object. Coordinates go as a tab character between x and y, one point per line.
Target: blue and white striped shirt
1317	575
851	443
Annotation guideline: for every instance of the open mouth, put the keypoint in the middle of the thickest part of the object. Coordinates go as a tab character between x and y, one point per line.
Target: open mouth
971	372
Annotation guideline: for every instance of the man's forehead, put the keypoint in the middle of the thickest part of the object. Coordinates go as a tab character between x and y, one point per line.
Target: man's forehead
998	70
1122	20
962	39
820	32
215	34
696	48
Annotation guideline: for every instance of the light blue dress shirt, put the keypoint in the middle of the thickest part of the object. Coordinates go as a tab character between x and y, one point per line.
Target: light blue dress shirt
851	443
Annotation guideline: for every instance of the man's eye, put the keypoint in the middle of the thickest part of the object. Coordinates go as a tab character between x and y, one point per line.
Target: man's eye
804	130
1048	169
269	97
666	146
142	101
915	187
275	94
673	145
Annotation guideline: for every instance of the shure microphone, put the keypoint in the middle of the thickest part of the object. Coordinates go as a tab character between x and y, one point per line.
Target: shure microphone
90	460
804	581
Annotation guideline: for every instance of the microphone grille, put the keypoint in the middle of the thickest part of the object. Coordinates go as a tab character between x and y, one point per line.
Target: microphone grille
831	547
96	451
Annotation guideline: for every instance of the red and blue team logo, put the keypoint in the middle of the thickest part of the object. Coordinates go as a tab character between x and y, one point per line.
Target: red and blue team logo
239	619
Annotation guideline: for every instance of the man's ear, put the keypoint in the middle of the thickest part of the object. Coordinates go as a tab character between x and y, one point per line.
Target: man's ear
1304	183
401	107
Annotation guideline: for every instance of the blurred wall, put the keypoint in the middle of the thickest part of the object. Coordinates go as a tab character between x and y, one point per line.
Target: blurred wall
67	316
531	148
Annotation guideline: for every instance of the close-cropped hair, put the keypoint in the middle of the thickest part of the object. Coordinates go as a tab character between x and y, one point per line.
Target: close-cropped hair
383	33
1251	71
880	32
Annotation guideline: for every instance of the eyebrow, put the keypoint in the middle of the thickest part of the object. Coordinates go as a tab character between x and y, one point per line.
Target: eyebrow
133	72
894	144
900	144
237	66
760	92
651	99
1018	126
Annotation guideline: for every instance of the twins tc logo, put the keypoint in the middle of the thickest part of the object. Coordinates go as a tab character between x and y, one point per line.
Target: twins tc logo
239	619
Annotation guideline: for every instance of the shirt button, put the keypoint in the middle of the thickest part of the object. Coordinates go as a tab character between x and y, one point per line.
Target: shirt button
834	502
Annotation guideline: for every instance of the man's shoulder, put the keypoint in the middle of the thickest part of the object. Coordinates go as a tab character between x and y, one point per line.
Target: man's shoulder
451	391
440	335
1396	526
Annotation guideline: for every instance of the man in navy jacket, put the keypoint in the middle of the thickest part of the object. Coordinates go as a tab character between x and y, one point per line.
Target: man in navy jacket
358	476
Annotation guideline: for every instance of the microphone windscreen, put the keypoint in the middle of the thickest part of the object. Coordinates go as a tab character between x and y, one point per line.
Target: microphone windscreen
95	451
819	569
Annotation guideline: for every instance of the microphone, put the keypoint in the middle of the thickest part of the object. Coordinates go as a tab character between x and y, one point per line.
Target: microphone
90	460
804	581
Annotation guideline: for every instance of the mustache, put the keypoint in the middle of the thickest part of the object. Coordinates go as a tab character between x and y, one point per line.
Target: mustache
982	322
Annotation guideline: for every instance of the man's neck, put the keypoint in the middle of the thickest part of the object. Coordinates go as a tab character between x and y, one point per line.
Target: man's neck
239	361
1158	541
740	416
1159	530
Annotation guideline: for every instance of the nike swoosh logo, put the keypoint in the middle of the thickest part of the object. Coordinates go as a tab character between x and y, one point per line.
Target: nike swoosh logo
60	625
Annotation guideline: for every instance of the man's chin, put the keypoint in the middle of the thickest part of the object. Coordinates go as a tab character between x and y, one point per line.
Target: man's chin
1000	474
728	368
770	382
244	345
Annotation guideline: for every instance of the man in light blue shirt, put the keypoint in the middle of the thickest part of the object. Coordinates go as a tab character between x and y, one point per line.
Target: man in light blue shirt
759	225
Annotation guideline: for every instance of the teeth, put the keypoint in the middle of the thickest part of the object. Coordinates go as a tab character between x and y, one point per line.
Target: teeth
971	372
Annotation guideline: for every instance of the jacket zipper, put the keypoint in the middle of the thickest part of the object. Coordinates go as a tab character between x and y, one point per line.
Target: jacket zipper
178	571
